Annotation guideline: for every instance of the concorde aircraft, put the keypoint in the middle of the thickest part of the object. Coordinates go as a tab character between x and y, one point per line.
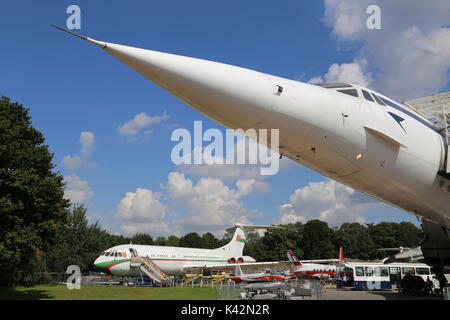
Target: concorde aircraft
158	262
351	134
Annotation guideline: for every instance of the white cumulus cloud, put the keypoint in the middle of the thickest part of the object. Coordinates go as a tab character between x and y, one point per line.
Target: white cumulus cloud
77	190
184	205
327	201
142	211
409	56
139	124
87	146
209	204
346	72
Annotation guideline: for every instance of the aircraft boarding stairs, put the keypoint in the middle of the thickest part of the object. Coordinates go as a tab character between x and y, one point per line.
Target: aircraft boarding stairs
146	265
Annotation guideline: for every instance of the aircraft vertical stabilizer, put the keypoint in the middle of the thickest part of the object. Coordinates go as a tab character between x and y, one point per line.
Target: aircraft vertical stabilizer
341	254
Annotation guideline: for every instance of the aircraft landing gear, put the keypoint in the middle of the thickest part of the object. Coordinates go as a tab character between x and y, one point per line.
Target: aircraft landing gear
436	249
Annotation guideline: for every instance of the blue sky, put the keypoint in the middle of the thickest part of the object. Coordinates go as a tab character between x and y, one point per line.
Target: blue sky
72	87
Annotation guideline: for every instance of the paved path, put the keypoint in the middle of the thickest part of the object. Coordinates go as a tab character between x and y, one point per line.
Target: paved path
346	294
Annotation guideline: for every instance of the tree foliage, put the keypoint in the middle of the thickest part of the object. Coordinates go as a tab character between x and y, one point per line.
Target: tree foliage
317	240
32	207
80	243
142	238
191	240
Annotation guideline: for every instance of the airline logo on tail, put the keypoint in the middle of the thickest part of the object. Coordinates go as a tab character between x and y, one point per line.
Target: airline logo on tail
239	238
293	258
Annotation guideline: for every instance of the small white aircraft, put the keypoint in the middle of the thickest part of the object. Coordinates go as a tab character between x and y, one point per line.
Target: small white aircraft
313	267
395	152
158	262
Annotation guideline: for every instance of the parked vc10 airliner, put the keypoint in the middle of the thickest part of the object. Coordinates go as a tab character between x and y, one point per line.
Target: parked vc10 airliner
346	132
158	262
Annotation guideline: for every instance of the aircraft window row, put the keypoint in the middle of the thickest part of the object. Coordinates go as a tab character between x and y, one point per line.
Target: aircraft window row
321	270
372	97
159	255
350	92
114	254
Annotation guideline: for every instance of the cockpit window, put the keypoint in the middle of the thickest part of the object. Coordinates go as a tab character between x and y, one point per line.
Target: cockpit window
107	254
333	85
378	99
350	92
367	95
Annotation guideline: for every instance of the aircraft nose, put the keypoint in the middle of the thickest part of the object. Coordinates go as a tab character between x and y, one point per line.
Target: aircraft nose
233	96
98	264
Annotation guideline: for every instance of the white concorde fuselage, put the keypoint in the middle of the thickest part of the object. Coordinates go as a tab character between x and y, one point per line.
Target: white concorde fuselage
390	153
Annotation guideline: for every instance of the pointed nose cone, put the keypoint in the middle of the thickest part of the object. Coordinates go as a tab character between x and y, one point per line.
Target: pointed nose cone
233	96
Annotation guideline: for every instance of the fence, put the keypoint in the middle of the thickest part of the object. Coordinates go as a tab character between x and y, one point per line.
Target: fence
297	289
87	279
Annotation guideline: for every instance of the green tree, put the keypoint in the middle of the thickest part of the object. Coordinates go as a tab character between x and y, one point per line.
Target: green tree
393	235
160	241
274	245
173	241
191	240
80	243
408	235
356	241
317	241
383	234
32	207
251	246
209	241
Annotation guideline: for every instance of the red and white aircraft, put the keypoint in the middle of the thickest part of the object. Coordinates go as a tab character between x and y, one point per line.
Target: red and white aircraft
259	277
312	267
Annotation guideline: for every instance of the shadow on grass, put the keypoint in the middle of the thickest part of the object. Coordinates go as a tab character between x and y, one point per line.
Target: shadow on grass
23	294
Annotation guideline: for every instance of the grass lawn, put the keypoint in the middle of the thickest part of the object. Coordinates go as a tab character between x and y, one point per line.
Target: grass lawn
60	292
